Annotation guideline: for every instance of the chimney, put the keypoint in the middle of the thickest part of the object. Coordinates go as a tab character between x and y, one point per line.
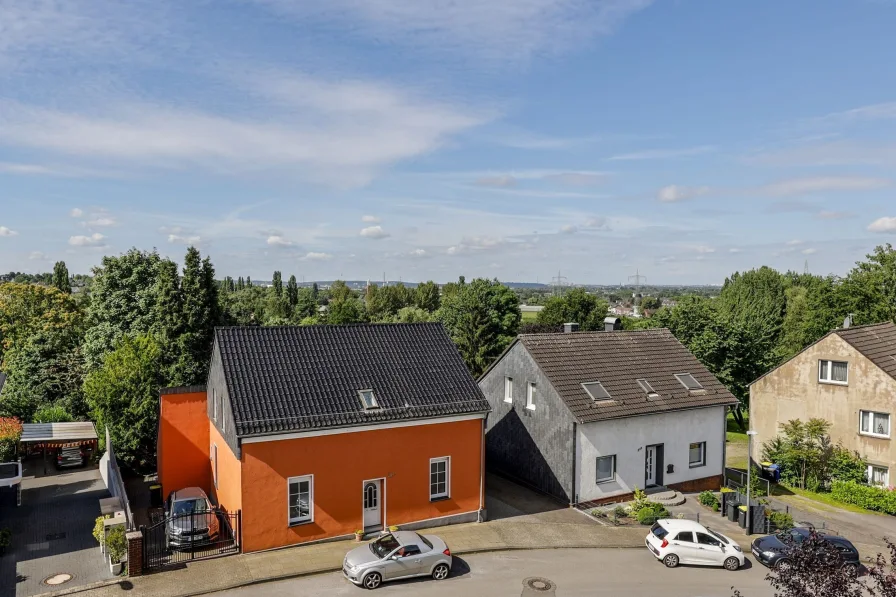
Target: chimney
570	327
848	321
612	324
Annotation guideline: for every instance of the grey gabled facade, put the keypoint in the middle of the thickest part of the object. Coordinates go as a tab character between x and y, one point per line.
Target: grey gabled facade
534	447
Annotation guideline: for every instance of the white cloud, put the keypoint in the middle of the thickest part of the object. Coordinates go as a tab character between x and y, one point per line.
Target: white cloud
569	229
597	222
276	240
4	231
312	256
822	184
659	154
484	32
370	219
38	256
577	179
94	240
809	251
375	232
672	193
418	253
500	181
100	221
703	249
475	243
882	111
76	213
182	239
793	243
735	250
884	224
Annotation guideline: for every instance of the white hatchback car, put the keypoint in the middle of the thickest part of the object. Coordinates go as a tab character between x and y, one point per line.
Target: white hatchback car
675	542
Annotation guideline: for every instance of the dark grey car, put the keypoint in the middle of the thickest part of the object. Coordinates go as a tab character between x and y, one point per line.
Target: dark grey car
402	554
192	520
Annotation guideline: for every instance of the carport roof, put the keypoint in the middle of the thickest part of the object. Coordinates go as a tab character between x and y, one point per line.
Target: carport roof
58	432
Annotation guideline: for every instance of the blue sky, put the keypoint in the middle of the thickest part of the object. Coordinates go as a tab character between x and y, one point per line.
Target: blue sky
429	139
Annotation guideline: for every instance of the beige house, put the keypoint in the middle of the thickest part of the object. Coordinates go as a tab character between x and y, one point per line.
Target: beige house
847	378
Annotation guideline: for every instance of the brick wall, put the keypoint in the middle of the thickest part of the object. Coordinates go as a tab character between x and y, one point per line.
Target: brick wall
135	553
713	483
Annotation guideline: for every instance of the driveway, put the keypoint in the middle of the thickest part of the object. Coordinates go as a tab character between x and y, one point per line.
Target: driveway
579	572
52	530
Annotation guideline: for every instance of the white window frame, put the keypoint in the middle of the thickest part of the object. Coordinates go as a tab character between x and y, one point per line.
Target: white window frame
301	520
214	405
702	461
870	474
531	390
830	372
374	403
447	493
508	389
612	476
872	416
215	464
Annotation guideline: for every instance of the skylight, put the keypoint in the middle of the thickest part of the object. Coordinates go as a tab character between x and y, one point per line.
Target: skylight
368	399
597	391
645	385
688	381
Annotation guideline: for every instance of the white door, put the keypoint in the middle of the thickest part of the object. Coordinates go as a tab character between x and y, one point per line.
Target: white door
651	466
373	505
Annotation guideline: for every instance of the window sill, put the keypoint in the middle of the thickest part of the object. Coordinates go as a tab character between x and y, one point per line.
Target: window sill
696	465
605	481
508	401
299	523
530	408
874	435
833	383
441	498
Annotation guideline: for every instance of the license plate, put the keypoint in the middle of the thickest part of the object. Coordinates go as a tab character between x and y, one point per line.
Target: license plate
653	549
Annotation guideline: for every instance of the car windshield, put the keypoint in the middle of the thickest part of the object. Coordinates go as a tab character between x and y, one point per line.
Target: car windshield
717	536
189	506
658	531
425	541
384	546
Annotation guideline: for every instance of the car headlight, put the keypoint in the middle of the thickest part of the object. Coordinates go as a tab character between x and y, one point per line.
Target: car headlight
176	530
768	554
737	548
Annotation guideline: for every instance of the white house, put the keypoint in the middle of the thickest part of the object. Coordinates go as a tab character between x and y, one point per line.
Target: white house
590	416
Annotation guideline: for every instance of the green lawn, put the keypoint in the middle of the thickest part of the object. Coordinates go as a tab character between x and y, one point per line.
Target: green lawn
529	316
786	494
736	450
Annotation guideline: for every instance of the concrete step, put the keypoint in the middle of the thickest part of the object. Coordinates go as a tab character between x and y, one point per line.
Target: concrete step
668	498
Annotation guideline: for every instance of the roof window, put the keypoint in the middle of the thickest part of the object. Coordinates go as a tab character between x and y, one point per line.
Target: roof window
597	391
645	385
688	381
368	400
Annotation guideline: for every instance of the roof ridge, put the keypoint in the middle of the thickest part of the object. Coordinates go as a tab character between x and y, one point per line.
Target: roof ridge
865	326
327	325
591	332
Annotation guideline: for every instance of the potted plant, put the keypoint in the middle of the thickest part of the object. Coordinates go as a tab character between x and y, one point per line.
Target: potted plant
117	547
5	540
359	534
393	528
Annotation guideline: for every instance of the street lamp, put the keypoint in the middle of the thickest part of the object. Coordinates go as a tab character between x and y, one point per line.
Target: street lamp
750	435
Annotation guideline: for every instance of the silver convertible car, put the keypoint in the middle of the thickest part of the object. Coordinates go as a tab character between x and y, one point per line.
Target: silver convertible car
402	554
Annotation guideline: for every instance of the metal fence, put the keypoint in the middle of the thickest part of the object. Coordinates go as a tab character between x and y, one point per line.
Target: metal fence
737	479
191	536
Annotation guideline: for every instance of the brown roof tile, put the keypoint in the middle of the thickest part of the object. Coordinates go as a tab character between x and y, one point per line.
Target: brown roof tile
876	341
617	360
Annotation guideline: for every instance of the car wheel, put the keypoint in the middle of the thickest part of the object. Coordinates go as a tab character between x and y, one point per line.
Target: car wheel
783	565
732	563
851	569
671	560
440	572
372	580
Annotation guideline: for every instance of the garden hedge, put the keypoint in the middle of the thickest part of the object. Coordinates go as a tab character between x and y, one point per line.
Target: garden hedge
865	496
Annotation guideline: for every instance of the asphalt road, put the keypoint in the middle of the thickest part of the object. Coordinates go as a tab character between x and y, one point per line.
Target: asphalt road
573	572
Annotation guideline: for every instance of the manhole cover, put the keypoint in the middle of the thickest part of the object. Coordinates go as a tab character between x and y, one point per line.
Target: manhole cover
539	584
58	579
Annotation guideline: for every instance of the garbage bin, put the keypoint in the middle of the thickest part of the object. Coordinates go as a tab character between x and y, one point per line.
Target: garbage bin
155	496
733	510
742	518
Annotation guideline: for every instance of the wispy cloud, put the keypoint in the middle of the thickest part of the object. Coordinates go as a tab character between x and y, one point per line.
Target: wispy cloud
94	240
374	232
76	212
38	256
822	184
313	256
882	111
497	31
370	219
834	215
276	240
829	153
662	154
673	193
4	231
187	240
885	224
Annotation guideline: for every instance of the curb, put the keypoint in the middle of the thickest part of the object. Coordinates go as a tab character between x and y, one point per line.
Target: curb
89	587
293	575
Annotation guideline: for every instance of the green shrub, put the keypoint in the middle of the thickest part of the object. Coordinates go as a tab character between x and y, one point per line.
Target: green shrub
52	414
651	512
708	498
640	500
597	513
116	544
781	520
878	499
98	529
716	507
620	512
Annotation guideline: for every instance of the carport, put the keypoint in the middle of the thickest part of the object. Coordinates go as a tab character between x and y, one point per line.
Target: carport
40	436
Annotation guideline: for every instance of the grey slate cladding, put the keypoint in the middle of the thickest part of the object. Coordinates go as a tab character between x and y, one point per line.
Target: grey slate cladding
282	379
618	359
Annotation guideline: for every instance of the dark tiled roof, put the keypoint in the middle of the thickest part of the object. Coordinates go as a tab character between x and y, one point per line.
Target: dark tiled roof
300	378
876	341
617	360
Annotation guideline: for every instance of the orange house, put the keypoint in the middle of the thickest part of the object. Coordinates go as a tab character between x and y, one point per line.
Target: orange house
316	432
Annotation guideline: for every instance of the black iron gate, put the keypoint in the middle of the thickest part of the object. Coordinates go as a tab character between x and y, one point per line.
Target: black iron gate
191	536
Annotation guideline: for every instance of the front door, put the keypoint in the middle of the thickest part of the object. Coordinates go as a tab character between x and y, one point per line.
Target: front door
373	506
650	466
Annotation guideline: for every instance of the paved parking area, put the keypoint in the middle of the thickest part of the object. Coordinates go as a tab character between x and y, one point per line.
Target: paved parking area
52	531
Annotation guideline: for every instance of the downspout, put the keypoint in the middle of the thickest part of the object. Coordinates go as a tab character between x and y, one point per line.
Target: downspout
574	499
483	515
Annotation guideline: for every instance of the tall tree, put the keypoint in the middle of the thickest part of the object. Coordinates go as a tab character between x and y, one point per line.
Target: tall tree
576	306
426	296
123	396
26	309
315	292
277	283
306	305
482	318
61	278
123	302
869	290
292	291
200	316
240	283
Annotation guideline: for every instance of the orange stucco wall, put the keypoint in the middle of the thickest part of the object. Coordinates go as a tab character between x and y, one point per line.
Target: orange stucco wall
182	451
228	494
341	463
